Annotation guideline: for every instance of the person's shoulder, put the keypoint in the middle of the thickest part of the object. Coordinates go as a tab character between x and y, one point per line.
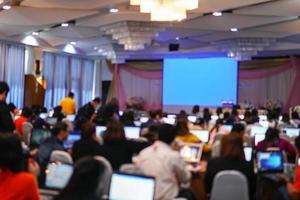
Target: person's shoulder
25	177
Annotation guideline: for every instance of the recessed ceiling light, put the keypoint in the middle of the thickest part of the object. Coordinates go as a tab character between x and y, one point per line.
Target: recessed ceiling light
100	50
64	24
35	33
114	10
177	38
234	29
73	43
217	14
6	7
95	48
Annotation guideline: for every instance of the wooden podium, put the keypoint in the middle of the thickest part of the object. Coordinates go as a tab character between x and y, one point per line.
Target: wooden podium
34	93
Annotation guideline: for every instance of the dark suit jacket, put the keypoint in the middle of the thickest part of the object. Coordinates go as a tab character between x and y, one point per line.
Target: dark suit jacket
6	120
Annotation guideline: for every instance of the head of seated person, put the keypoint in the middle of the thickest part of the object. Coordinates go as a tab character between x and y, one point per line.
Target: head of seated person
239	129
128	118
232	147
89	180
60	131
271	139
152	134
11	153
248	117
166	133
182	115
196	109
286	118
182	126
297	145
26	112
114	132
219	111
88	131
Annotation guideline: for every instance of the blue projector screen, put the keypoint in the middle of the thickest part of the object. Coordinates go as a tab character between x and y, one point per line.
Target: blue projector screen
204	82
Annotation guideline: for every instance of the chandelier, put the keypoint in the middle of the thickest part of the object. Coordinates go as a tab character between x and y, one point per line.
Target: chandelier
166	10
132	35
243	49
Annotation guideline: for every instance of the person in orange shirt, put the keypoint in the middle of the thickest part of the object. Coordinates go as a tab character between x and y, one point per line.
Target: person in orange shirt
68	104
15	182
25	117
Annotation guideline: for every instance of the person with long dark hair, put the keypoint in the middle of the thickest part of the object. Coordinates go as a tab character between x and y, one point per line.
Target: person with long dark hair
15	182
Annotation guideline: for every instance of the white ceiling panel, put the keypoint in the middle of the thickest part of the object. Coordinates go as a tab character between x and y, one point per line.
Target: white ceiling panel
228	21
72	4
40	16
275	8
11	30
285	27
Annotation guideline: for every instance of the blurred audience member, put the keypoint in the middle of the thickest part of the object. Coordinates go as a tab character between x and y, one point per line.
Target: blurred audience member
15	183
165	164
68	104
5	115
25	117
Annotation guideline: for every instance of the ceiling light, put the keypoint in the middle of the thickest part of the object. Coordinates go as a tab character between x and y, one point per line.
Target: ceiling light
35	33
114	10
234	29
30	40
167	10
64	24
6	7
95	48
217	14
73	43
177	38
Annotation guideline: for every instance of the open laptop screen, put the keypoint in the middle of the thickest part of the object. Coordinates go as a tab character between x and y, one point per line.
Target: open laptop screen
71	118
58	175
203	135
258	130
100	130
73	137
131	187
191	152
271	161
292	132
132	132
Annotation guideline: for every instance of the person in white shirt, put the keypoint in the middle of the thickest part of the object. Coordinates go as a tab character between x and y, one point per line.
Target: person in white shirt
165	164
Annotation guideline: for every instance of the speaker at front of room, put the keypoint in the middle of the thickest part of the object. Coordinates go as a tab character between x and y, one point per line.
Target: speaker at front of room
173	47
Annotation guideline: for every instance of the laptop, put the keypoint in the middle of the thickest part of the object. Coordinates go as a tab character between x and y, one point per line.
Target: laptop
51	120
258	138
258	130
71	118
227	128
72	138
132	132
270	162
144	119
58	176
292	132
169	120
100	131
38	136
191	152
44	115
192	118
131	187
203	135
248	153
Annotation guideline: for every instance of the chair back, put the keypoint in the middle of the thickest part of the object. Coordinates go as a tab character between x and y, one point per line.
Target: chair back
230	184
26	128
104	181
61	156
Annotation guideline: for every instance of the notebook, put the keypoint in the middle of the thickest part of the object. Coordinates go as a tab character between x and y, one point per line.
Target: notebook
131	187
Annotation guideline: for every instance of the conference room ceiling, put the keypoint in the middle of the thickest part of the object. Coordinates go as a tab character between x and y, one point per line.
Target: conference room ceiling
276	19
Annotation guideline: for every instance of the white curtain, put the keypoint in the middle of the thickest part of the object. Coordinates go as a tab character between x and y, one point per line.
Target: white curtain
12	61
87	81
64	73
276	87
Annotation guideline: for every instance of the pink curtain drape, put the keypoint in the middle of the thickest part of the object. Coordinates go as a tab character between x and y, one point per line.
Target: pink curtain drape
131	82
256	85
276	83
